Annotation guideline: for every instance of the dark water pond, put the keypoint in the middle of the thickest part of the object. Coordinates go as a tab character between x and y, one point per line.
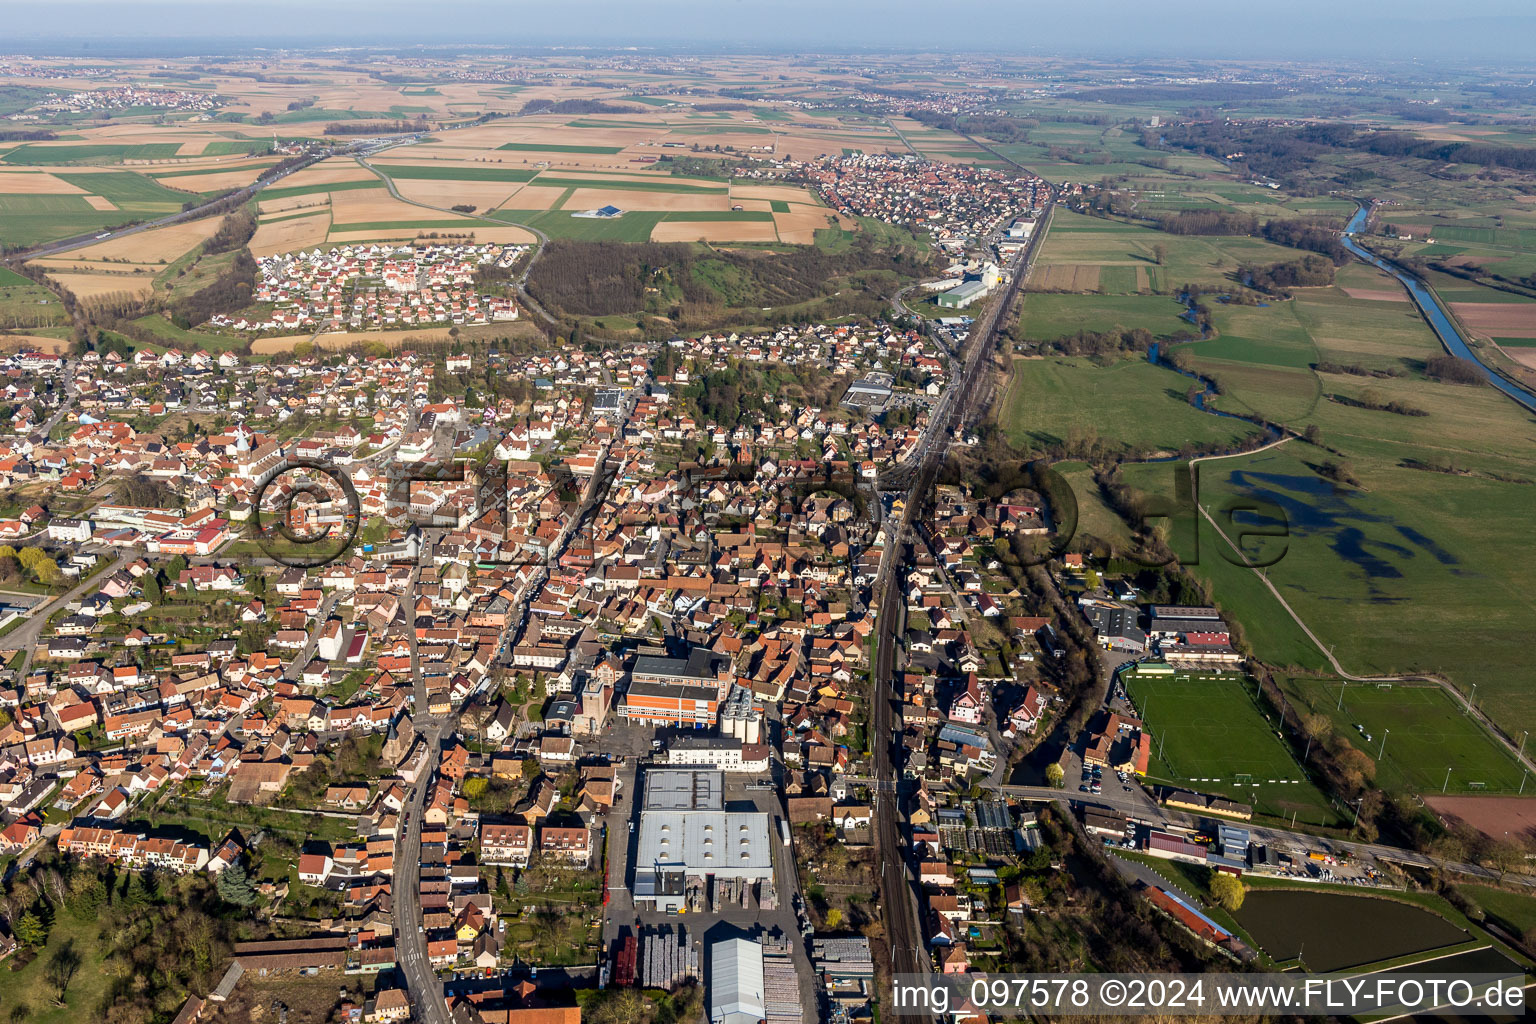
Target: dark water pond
1333	931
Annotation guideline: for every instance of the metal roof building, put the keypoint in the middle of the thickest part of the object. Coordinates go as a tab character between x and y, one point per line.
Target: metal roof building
736	982
686	834
683	789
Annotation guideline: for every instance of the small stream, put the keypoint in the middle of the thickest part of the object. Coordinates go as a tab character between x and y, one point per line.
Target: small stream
1204	399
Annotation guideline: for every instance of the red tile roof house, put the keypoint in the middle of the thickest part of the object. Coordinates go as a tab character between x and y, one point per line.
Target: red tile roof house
572	845
967	706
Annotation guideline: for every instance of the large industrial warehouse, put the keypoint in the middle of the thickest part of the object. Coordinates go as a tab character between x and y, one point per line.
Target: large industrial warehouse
687	836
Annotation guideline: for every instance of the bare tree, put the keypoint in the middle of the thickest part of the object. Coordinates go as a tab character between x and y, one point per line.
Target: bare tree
61	968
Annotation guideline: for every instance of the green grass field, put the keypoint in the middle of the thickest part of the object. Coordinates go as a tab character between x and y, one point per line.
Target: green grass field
127	188
1132	406
173	172
308	114
1046	316
1096	521
390	225
633	226
717	216
1078	240
1416	572
1516	911
1424	731
308	211
45	155
313	190
1209	735
160	326
678	187
229	147
34	219
23	303
30	986
836	239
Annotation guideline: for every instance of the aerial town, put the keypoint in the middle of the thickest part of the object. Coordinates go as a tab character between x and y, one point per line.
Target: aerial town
495	538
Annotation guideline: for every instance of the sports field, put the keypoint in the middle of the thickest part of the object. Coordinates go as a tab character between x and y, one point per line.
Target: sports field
1209	735
1424	732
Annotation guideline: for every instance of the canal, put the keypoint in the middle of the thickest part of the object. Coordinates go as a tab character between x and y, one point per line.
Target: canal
1437	316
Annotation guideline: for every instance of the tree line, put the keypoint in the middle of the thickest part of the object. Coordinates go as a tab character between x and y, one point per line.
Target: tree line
676	280
544	105
375	127
1310	271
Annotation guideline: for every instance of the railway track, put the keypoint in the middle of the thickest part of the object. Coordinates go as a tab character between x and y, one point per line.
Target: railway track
899	888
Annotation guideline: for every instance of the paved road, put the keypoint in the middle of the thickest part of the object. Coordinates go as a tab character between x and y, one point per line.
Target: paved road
67	403
26	635
306	653
422	984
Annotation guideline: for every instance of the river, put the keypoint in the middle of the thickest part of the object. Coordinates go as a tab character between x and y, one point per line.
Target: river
1439	320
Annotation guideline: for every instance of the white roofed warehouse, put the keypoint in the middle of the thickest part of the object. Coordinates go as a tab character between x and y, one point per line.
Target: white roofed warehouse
736	982
686	836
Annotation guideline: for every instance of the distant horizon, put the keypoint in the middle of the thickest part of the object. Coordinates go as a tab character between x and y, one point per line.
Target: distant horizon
1369	30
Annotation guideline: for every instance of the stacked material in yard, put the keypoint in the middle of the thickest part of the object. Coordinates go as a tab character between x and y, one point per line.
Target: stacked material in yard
668	958
781	985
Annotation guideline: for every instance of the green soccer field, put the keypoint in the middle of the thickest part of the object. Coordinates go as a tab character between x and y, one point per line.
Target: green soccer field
1209	735
1424	732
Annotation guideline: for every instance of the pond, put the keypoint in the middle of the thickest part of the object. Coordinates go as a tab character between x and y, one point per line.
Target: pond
1333	931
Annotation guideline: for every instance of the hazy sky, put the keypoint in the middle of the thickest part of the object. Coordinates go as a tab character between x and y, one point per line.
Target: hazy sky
1493	29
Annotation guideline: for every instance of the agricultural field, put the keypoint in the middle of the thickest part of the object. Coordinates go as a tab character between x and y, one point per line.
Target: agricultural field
1163	198
1131	407
1422	731
25	303
126	265
41	207
1208	734
1092	254
1046	316
1073	151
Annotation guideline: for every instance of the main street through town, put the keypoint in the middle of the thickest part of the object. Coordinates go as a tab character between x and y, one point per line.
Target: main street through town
422	982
